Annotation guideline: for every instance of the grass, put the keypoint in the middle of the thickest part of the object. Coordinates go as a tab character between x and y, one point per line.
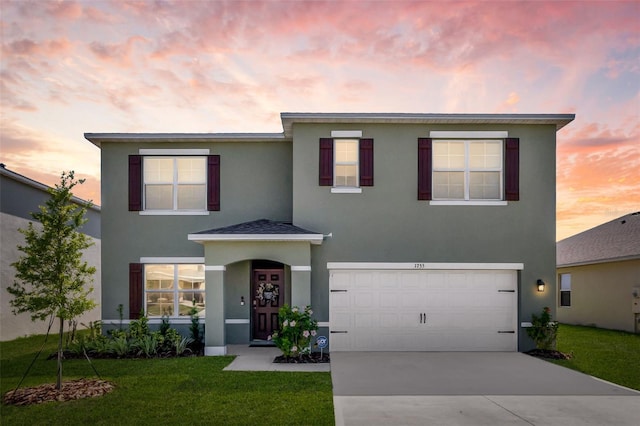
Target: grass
610	355
166	391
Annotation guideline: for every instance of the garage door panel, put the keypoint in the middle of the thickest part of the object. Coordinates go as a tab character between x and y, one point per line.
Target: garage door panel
423	310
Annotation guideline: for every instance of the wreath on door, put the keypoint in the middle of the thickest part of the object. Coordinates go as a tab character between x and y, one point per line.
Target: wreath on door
266	292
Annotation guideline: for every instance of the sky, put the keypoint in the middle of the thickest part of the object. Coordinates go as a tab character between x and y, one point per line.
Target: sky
70	67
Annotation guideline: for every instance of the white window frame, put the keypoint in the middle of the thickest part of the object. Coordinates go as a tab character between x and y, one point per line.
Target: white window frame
467	170
561	279
175	262
337	163
471	135
174	183
339	135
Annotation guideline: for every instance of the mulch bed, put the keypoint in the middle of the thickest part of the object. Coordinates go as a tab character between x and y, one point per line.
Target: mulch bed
72	389
313	358
548	354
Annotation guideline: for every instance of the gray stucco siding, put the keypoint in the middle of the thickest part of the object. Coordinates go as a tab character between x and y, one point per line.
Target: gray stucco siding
256	182
386	222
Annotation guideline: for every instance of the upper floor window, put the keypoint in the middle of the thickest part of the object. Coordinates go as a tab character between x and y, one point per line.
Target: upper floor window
467	167
185	183
346	161
467	170
175	183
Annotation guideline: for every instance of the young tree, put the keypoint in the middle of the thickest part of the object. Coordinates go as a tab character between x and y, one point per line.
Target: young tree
51	275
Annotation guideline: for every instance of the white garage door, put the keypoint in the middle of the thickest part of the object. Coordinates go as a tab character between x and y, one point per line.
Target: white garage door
423	310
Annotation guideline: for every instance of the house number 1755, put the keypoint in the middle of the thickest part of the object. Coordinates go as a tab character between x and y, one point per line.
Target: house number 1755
418	266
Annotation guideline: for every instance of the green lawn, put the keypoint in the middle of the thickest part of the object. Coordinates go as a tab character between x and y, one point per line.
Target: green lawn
610	355
167	391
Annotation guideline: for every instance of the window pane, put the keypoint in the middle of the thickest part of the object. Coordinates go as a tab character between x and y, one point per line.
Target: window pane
191	276
346	176
158	170
565	282
448	185
159	304
187	299
191	197
158	277
484	185
192	170
485	154
346	151
158	197
448	154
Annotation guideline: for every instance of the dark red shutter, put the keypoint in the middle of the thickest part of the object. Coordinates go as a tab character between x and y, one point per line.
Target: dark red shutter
135	290
213	183
366	162
512	169
424	168
135	183
326	162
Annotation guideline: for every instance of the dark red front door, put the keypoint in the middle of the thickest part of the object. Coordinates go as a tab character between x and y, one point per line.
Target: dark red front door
267	288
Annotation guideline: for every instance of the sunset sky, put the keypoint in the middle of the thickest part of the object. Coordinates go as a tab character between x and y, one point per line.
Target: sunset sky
211	66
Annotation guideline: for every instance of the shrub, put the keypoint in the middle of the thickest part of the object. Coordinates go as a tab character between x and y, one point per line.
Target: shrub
120	346
196	330
296	329
148	344
543	331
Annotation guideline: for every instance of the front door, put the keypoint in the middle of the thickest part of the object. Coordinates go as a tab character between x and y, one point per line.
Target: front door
267	288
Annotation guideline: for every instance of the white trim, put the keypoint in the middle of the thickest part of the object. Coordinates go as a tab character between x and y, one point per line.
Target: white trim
172	260
236	321
312	238
215	350
463	134
323	323
221	268
346	190
174	213
143	151
300	268
346	133
421	266
468	203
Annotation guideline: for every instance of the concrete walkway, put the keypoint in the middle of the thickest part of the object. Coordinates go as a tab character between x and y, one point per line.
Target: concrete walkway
479	388
261	359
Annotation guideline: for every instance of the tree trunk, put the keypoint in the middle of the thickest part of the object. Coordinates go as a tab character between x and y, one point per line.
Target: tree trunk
59	379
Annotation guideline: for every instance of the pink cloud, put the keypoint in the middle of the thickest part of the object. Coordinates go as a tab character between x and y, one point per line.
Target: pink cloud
119	54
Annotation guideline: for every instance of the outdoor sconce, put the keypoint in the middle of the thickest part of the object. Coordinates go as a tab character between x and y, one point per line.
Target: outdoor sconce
540	285
241	300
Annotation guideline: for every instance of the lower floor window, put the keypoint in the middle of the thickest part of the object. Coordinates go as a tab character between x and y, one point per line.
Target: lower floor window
173	289
565	289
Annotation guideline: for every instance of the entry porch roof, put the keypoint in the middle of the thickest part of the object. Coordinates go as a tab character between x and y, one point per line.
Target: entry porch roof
258	230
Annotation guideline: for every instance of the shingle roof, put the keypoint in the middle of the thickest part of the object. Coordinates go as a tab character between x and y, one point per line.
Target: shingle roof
261	227
258	230
612	241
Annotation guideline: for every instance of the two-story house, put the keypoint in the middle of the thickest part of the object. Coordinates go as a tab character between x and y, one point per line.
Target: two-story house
428	232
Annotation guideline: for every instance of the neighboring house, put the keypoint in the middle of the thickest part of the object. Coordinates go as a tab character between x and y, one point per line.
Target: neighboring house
599	276
19	197
403	231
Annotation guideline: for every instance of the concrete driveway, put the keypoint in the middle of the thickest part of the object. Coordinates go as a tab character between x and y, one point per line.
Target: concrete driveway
472	388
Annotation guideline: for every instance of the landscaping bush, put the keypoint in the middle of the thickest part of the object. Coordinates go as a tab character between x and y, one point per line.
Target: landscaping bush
137	340
296	329
543	331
